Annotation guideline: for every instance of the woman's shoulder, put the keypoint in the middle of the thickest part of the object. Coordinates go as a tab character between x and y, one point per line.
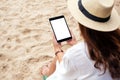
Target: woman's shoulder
78	49
79	45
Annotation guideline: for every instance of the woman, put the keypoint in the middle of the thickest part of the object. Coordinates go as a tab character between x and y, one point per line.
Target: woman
98	56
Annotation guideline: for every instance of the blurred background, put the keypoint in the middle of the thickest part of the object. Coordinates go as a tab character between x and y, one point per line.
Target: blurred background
25	36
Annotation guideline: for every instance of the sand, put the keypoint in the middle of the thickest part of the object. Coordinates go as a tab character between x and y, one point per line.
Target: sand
25	36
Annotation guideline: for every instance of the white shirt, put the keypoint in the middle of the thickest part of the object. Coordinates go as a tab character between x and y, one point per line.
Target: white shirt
76	65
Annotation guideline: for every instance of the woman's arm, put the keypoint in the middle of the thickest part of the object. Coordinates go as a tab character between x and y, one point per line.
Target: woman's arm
59	53
58	50
57	47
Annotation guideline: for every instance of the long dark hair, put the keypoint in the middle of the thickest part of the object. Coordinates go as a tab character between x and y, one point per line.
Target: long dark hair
104	49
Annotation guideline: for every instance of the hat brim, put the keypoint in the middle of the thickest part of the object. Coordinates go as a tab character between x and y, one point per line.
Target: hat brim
110	25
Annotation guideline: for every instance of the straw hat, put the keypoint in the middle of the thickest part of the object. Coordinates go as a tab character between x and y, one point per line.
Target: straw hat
95	14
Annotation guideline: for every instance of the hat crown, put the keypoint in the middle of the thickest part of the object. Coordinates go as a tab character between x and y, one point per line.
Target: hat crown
99	8
90	13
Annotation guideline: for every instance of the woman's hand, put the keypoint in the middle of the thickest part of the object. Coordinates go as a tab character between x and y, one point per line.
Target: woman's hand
57	46
72	41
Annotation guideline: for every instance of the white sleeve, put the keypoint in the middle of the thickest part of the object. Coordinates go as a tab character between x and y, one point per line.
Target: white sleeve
66	70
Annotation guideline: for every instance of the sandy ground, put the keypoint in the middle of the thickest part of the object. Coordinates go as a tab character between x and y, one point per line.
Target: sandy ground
25	36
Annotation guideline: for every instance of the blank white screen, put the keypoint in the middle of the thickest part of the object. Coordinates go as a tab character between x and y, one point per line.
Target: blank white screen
60	28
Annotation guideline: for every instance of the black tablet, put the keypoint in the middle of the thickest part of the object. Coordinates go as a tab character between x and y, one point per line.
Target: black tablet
60	28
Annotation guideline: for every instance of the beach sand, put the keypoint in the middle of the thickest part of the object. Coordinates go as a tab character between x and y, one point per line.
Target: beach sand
25	36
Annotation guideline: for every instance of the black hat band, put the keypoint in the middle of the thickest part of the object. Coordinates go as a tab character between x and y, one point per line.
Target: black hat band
90	16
